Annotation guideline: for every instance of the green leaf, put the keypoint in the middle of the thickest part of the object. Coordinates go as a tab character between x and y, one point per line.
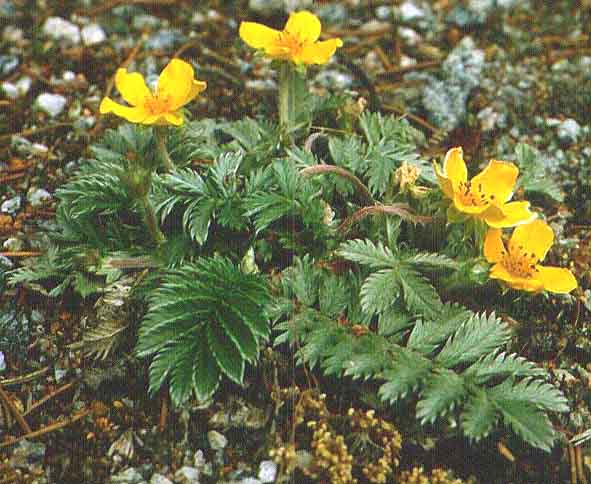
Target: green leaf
532	391
426	336
393	320
502	364
181	374
226	354
406	373
238	332
530	424
479	417
206	374
197	218
379	291
365	252
442	394
429	260
419	295
478	336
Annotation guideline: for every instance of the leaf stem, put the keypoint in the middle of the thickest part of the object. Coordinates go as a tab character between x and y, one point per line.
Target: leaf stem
337	170
160	133
287	97
151	220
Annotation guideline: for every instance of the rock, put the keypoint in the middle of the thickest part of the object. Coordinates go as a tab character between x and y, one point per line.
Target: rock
260	85
383	12
409	12
60	29
410	36
52	104
8	63
27	455
145	22
375	26
445	99
23	85
249	480
13	244
267	471
332	13
93	34
128	476
187	475
198	18
2	362
569	131
488	118
216	440
160	479
334	79
13	34
165	40
38	197
265	6
10	90
11	205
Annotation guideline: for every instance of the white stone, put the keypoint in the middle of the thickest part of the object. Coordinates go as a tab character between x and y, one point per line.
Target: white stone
13	244
93	34
216	440
10	90
52	104
187	475
23	85
39	149
410	36
60	29
409	11
160	479
38	197
267	471
68	76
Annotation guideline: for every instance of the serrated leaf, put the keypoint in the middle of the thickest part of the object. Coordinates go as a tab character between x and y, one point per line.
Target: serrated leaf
502	364
426	336
365	252
442	394
479	417
530	424
238	332
226	354
206	373
430	260
181	374
478	336
535	392
197	218
419	295
393	320
379	291
406	373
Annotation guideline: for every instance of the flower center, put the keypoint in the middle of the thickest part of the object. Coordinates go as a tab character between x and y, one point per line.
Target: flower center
290	42
519	262
474	195
157	104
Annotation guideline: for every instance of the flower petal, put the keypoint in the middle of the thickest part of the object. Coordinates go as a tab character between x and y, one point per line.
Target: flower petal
176	83
197	88
303	25
454	166
471	209
444	182
509	215
257	35
318	52
536	237
175	119
494	248
131	114
499	272
556	279
497	181
132	87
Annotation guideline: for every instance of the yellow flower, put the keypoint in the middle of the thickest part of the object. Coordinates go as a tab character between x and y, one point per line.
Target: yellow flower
176	87
486	195
517	264
298	42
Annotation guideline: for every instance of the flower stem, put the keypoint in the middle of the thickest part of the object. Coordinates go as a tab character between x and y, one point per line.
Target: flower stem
287	97
160	133
151	220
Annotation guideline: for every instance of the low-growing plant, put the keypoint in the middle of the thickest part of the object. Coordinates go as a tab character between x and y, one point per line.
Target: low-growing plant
338	242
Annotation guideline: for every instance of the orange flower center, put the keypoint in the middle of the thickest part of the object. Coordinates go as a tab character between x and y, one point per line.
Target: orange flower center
519	262
157	105
290	42
473	194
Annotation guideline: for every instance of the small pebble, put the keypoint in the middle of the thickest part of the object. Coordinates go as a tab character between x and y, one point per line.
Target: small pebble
93	34
60	29
187	475
52	104
569	131
128	476
11	205
13	244
160	479
217	441
267	471
408	12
